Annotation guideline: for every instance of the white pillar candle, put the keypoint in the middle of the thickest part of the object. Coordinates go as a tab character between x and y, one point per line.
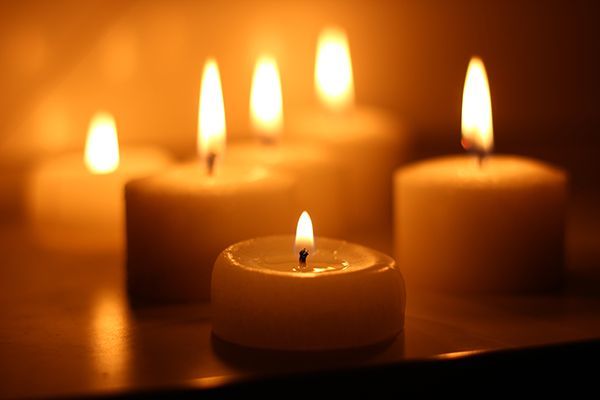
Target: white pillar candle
480	223
316	175
179	221
75	203
366	143
340	295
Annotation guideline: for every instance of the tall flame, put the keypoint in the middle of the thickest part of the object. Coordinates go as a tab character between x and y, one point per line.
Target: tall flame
477	128
266	105
334	80
304	233
211	114
102	146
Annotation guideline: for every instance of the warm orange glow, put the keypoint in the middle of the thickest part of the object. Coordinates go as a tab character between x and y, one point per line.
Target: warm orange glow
304	233
102	146
477	129
266	106
211	113
333	70
109	334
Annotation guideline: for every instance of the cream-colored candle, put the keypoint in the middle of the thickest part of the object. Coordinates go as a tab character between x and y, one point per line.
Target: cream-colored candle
317	176
75	201
279	293
179	221
480	222
366	143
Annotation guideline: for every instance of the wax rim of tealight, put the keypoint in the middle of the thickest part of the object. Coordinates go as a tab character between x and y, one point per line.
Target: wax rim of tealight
383	261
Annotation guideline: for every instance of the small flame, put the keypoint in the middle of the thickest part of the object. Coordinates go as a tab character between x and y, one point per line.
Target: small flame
266	105
211	114
102	146
333	70
477	129
304	233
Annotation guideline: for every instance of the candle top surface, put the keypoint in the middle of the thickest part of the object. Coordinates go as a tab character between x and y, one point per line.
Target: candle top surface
354	123
227	176
132	160
276	255
274	154
497	170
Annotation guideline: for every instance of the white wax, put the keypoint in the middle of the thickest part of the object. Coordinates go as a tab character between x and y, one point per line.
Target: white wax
351	296
69	208
180	220
495	227
318	180
367	144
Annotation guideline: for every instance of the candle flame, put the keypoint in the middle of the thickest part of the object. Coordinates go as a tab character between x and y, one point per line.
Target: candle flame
266	105
102	146
211	114
333	70
304	233
477	129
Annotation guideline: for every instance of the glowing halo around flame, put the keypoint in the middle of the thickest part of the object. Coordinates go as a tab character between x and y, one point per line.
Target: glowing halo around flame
211	113
334	81
101	154
477	128
304	234
266	105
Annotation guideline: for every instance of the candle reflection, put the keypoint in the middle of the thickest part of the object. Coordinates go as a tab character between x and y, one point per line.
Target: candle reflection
109	335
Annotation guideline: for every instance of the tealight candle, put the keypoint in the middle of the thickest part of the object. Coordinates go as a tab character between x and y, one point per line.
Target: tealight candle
178	221
367	144
75	201
317	177
279	293
480	223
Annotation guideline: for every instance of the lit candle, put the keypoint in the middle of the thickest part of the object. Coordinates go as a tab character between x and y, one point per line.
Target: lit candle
366	143
480	222
74	201
317	177
287	293
179	221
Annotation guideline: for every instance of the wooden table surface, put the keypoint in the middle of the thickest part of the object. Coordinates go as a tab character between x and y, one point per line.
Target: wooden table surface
66	327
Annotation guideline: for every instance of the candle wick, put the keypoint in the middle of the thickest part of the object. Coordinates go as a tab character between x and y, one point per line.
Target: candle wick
480	158
268	140
302	258
210	163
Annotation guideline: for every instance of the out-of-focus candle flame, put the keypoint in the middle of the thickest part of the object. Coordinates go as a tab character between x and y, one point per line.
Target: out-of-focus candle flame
266	105
211	114
334	80
477	128
102	146
304	233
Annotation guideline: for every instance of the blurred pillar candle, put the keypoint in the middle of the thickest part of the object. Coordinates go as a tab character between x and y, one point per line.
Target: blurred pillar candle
317	176
75	201
480	222
282	293
366	143
180	220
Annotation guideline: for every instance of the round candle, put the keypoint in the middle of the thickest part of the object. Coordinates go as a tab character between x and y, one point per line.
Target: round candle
342	295
480	223
317	178
76	203
498	226
366	144
179	221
